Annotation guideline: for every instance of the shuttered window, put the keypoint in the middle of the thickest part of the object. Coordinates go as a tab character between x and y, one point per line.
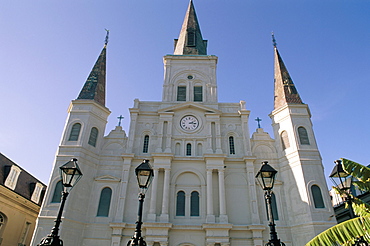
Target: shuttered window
75	132
198	93
181	93
93	136
303	136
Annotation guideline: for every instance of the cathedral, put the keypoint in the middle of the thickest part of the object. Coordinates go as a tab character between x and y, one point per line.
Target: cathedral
205	159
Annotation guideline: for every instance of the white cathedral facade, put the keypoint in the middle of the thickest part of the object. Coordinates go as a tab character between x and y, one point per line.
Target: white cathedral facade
204	191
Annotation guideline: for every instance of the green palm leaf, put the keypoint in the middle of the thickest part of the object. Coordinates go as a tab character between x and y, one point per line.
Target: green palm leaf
358	171
344	233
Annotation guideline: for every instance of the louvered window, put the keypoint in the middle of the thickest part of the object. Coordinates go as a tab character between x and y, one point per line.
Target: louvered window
75	132
191	39
93	136
181	93
303	136
198	93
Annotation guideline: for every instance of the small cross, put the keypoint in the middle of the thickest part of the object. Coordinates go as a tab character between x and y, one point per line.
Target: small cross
120	119
258	120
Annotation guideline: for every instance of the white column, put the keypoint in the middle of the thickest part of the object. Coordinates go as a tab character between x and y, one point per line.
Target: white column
153	198
221	182
165	202
210	214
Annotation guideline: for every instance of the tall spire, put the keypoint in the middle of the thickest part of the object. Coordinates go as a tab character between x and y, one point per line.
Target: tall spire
190	41
94	87
285	91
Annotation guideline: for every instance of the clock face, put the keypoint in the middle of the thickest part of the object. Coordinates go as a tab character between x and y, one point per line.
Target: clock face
189	123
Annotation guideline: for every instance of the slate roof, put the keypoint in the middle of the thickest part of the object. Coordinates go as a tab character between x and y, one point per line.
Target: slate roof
26	182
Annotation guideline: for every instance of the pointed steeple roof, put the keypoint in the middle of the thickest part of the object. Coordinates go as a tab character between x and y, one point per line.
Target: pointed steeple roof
285	91
190	41
94	87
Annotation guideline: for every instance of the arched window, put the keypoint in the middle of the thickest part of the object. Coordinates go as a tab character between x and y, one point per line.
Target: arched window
231	145
75	132
57	196
180	204
93	136
198	93
146	144
104	202
188	149
181	93
285	140
275	213
303	136
194	204
317	197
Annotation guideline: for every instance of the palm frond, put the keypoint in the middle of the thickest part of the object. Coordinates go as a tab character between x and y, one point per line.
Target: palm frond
344	233
362	173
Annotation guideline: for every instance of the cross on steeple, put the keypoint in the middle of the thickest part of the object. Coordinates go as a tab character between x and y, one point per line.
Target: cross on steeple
120	119
258	120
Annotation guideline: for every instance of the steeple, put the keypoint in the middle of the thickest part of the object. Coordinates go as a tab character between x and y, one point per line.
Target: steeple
190	41
94	87
285	91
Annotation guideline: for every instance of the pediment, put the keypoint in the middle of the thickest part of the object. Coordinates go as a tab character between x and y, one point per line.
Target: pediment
187	105
107	178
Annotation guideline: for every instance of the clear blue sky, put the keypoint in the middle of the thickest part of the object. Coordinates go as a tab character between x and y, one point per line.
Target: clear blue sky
49	47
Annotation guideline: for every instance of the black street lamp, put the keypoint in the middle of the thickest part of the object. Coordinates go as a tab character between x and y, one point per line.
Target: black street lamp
266	178
144	174
344	184
70	174
341	180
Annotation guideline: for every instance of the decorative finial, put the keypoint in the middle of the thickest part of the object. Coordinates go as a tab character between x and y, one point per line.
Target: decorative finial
106	37
120	119
273	40
258	120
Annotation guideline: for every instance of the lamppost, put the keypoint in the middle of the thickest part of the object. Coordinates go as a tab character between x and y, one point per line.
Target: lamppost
266	178
144	174
344	184
70	174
